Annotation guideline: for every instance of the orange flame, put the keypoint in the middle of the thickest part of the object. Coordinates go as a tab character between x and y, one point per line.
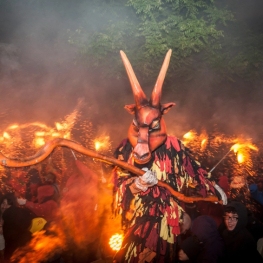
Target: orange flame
102	143
116	241
238	146
6	135
38	142
189	135
240	157
242	151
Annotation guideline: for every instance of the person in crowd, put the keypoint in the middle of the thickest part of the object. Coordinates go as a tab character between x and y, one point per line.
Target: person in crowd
185	232
34	181
46	206
16	223
223	182
256	191
2	239
205	243
190	250
51	179
240	246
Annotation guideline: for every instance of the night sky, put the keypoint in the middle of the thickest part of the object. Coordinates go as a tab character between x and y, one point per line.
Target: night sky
41	81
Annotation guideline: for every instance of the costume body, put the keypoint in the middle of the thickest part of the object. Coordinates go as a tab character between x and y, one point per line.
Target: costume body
152	218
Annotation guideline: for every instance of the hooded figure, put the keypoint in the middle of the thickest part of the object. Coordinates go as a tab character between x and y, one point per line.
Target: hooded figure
190	249
46	207
205	228
240	245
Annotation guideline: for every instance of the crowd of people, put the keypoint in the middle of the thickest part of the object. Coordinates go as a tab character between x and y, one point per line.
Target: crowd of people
214	233
239	234
34	200
30	204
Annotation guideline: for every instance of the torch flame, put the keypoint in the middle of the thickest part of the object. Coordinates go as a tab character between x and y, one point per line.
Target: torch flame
189	135
240	157
38	142
238	146
116	241
6	135
102	143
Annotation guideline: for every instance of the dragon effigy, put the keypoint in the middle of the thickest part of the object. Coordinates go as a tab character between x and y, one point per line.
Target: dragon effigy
151	215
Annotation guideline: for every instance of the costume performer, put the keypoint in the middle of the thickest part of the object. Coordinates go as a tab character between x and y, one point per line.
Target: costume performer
151	216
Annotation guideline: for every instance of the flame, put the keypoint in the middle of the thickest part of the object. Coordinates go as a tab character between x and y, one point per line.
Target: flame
38	142
243	153
240	157
204	140
238	146
6	135
98	145
116	241
61	126
12	127
189	135
102	143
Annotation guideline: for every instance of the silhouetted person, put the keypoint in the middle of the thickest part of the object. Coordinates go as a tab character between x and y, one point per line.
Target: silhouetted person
16	225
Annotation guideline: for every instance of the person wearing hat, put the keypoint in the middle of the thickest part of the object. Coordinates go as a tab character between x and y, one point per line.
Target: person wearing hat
240	246
205	244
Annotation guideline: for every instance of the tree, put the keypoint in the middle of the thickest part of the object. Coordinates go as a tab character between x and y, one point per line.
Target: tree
146	29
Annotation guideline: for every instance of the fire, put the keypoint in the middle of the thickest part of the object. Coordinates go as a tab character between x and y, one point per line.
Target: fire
242	150
38	142
189	135
238	146
6	135
116	241
204	141
102	143
240	157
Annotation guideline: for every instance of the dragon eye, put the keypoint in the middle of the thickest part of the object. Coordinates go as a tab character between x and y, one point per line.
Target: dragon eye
155	124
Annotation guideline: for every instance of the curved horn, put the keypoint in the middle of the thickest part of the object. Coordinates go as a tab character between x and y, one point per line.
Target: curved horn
157	91
139	96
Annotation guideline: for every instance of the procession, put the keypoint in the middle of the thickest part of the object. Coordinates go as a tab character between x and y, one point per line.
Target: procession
175	176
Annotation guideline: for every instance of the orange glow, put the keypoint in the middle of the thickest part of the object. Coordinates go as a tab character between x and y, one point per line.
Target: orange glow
61	126
97	145
67	135
40	133
102	143
6	135
55	134
238	146
189	135
38	142
240	157
116	241
203	144
12	127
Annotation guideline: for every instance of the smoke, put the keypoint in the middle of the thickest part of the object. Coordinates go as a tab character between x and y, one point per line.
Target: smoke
42	81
